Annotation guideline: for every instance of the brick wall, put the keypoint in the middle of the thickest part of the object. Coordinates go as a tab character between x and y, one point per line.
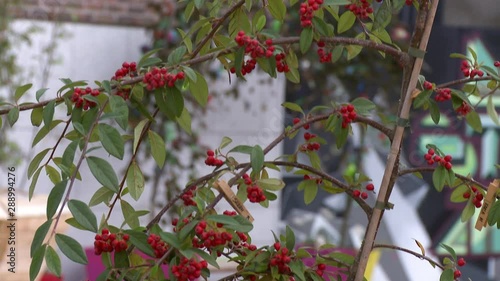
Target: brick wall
110	12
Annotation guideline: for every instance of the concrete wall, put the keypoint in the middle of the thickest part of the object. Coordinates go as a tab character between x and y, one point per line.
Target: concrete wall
94	53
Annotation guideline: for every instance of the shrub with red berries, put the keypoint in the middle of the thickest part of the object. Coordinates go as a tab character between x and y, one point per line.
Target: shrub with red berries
477	200
188	269
255	194
187	197
107	242
428	85
348	115
307	10
463	109
323	56
160	77
431	157
80	102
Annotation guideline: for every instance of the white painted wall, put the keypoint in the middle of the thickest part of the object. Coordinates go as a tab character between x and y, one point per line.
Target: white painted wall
93	53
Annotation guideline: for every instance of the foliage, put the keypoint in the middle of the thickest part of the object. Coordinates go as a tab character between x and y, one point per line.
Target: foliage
236	34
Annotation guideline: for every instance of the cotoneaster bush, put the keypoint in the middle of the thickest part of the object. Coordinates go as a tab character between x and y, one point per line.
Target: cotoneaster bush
236	35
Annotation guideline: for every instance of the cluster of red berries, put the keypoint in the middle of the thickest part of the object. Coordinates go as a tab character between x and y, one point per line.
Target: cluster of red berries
80	102
464	109
409	2
307	10
107	242
281	65
469	71
188	269
432	158
363	194
361	9
127	69
443	94
124	93
159	77
159	246
187	197
478	197
457	273
428	85
211	160
185	221
320	269
323	57
296	120
281	259
348	115
255	194
254	49
310	146
496	63
211	238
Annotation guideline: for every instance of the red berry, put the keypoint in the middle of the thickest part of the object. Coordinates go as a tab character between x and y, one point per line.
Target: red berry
277	246
370	187
497	64
431	151
364	195
457	274
461	262
466	195
356	193
447	158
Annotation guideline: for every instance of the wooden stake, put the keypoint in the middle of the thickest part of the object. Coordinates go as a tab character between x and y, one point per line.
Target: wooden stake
482	220
230	197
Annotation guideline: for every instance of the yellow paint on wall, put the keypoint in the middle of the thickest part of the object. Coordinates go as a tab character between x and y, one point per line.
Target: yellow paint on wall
372	262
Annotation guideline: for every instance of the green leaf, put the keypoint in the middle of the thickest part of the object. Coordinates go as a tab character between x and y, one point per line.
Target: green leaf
119	107
69	154
13	115
36	116
346	21
422	98
139	239
44	131
271	184
306	38
435	113
199	89
457	196
39	236
111	140
474	121
175	101
468	211
83	214
171	239
158	149
103	194
259	21
185	121
55	197
290	238
20	91
48	113
447	275
438	178
33	183
449	250
492	112
36	262
40	93
257	158
138	133
494	214
458	56
323	28
238	223
53	261
129	214
35	163
176	55
310	192
245	149
293	106
277	9
135	181
140	64
363	105
71	248
225	142
103	172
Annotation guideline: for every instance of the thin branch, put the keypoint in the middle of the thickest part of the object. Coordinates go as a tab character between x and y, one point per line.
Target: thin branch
431	169
420	256
58	141
216	27
463	81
